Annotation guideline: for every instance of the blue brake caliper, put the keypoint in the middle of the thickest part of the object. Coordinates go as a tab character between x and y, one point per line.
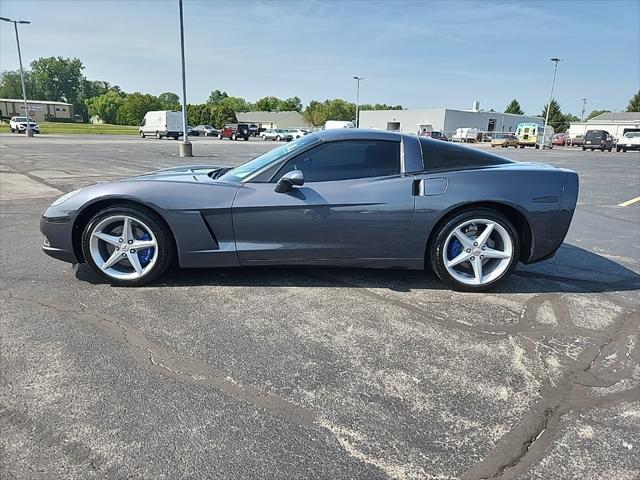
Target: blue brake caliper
455	248
145	254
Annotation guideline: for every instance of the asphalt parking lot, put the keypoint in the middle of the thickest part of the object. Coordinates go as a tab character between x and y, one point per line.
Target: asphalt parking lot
315	373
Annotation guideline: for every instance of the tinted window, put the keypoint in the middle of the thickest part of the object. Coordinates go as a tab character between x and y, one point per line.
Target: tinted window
346	160
594	135
438	156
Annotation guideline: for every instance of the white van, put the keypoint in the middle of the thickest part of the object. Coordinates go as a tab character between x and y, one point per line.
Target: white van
338	124
161	123
465	135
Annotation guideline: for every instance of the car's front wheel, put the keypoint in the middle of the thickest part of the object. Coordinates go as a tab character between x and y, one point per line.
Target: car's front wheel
475	250
127	246
141	134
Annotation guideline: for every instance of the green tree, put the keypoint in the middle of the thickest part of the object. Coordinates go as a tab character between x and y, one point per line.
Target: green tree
57	79
169	101
135	106
634	103
268	104
317	113
514	107
595	113
11	85
237	104
379	106
293	104
221	114
557	119
105	106
216	96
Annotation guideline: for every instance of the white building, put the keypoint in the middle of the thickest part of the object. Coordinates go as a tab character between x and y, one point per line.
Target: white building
272	119
617	124
446	120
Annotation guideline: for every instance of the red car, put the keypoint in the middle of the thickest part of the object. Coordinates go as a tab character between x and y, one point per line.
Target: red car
560	139
234	131
435	135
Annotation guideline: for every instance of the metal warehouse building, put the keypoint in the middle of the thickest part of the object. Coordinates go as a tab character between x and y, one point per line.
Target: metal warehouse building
39	110
272	119
617	124
446	120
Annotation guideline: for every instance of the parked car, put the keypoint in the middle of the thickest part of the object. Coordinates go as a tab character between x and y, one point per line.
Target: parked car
597	140
560	139
161	123
435	134
192	132
298	132
253	130
329	124
19	125
341	197
576	141
207	131
234	131
505	140
487	137
629	141
276	134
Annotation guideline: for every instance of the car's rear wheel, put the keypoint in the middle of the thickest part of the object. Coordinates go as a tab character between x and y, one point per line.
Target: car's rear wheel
158	136
278	138
475	250
233	137
127	246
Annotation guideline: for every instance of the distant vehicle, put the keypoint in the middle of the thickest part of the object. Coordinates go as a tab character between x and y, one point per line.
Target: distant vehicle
576	141
560	139
629	141
234	131
253	130
207	131
161	123
534	135
298	132
19	125
465	135
338	124
487	137
276	134
505	140
435	134
192	132
597	140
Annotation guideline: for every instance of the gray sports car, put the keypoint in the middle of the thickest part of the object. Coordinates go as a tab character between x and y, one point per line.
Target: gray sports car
344	197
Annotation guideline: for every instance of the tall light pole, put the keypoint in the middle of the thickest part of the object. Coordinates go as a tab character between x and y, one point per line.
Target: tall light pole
28	132
357	79
186	149
553	82
584	102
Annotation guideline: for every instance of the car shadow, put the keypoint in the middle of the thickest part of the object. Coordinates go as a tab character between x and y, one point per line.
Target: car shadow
572	270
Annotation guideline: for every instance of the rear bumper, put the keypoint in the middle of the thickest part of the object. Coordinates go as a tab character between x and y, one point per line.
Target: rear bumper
57	242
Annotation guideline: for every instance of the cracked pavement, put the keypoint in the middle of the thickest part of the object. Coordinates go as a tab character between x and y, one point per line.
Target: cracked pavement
315	373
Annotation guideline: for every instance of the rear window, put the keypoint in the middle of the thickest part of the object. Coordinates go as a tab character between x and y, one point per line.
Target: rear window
442	156
594	134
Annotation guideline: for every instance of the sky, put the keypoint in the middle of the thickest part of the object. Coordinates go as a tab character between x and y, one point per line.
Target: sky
420	54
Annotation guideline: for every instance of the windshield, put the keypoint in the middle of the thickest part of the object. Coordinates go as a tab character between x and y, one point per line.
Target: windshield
238	174
632	134
502	135
21	119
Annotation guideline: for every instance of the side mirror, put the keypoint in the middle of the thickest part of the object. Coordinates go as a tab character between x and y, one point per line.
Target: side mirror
291	179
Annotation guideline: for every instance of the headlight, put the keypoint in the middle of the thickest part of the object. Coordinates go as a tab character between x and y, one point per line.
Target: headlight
64	198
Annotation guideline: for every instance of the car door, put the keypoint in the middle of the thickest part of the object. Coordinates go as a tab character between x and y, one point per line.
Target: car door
355	204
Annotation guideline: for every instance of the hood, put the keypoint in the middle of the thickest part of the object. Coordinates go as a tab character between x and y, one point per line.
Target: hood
182	173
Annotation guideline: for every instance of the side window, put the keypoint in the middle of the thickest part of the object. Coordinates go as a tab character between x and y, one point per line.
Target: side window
344	160
444	156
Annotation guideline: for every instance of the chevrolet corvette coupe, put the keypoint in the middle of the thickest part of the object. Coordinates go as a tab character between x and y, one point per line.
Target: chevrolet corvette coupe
344	197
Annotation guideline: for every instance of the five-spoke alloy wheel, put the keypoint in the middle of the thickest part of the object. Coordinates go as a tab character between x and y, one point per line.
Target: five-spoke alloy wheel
127	246
475	250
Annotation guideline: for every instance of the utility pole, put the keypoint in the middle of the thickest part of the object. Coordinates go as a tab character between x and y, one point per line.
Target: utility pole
584	102
553	82
357	79
28	132
186	149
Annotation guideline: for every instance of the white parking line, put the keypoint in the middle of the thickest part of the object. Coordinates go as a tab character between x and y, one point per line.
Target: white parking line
629	202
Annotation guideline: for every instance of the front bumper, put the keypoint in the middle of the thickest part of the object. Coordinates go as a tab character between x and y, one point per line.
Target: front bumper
628	146
58	238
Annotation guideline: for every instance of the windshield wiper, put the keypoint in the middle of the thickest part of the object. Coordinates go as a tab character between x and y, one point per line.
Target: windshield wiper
218	173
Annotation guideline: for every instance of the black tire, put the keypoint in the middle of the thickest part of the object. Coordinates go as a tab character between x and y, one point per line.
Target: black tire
166	250
610	148
278	138
141	134
220	136
158	136
234	137
618	149
435	255
246	139
624	150
584	149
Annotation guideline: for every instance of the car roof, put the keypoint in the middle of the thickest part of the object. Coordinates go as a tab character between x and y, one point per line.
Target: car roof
357	134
